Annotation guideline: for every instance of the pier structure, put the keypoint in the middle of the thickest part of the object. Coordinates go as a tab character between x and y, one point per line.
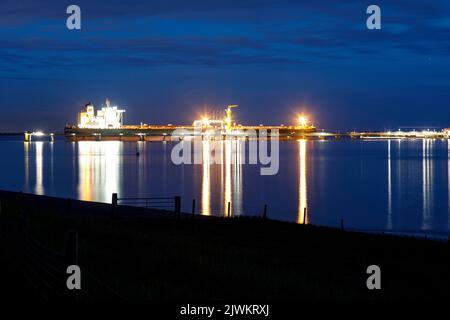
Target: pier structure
400	134
167	133
39	136
107	124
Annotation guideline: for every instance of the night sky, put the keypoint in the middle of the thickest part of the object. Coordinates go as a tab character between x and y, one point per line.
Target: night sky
169	61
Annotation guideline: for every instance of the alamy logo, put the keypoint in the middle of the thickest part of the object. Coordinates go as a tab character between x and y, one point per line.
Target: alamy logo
74	280
73	22
374	20
374	280
192	149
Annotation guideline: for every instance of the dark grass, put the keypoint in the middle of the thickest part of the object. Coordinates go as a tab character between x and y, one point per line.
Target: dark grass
240	258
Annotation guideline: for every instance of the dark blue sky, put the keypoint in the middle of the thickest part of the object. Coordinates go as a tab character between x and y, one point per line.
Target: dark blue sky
167	61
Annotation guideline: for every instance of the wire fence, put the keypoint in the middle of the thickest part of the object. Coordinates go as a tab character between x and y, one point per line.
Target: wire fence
227	210
45	269
149	203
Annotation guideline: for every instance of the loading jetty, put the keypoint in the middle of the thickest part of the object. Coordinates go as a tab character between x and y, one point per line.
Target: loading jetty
107	124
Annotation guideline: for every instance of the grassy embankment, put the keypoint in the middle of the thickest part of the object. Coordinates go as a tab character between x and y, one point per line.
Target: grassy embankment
162	257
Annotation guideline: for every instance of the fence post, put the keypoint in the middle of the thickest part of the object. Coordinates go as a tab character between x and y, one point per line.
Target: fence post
265	212
193	208
229	210
304	215
114	199
114	202
178	206
71	248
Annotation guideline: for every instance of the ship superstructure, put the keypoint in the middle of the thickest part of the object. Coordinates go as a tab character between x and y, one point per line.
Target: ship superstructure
108	117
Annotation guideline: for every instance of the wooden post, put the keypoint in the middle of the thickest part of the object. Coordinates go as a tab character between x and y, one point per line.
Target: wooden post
115	199
304	215
193	208
265	212
178	206
114	203
71	248
229	210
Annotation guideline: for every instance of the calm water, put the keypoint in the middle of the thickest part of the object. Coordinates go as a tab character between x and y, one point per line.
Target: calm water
402	186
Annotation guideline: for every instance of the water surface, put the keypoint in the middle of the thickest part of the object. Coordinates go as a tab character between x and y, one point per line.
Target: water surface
395	185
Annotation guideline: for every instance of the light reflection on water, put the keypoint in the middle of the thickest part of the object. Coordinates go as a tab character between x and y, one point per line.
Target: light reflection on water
372	185
99	170
302	188
389	223
206	179
39	189
448	185
223	159
427	185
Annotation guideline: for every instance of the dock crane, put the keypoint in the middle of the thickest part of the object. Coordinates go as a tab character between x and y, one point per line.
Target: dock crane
229	118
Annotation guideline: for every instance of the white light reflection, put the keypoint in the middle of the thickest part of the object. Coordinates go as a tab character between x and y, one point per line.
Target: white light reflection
39	188
99	165
238	160
206	179
223	161
302	185
26	158
389	222
227	198
448	182
427	178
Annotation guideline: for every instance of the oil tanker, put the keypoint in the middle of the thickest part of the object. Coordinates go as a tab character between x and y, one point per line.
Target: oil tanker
107	124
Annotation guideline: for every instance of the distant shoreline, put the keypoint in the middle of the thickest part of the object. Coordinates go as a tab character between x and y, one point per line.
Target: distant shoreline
21	134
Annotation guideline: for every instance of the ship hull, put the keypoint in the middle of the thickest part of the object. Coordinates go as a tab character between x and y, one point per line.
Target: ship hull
166	133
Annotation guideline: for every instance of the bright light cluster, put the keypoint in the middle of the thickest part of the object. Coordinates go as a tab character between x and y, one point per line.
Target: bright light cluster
303	121
109	117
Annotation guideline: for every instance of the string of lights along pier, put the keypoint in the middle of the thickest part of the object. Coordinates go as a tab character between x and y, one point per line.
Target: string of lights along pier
107	124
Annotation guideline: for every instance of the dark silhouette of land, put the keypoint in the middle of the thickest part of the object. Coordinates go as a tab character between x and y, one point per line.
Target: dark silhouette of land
134	253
